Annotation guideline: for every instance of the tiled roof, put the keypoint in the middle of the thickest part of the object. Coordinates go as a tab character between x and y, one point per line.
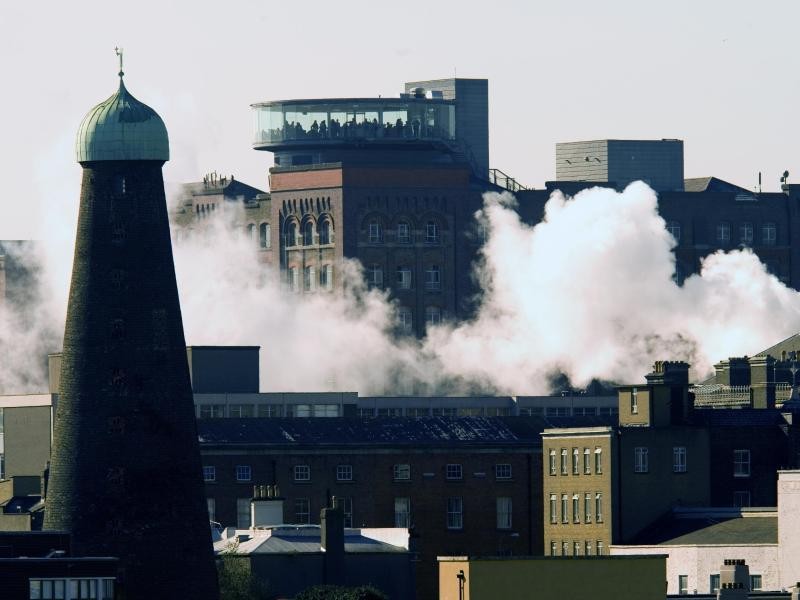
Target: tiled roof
736	530
711	184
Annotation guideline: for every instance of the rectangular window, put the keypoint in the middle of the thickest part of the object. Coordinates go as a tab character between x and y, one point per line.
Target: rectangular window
576	508
212	411
587	508
294	279
769	234
402	472
344	473
553	508
741	463
634	402
553	466
564	548
326	277
679	459
598	461
504	513
576	457
564	508
502	471
302	473
243	513
403	278
432	233
375	233
403	233
553	548
433	278
713	583
310	279
683	584
587	461
600	548
598	507
402	512
346	505
455	517
755	583
302	511
723	233
209	473
453	471
211	505
576	549
640	460
269	410
243	473
741	499
587	550
238	411
564	465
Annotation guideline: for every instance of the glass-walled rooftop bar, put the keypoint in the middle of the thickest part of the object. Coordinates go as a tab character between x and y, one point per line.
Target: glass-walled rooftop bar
342	120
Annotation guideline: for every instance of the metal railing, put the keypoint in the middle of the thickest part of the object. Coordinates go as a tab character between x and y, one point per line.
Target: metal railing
497	177
734	396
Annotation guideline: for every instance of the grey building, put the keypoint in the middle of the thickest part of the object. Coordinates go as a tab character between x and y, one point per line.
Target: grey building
659	163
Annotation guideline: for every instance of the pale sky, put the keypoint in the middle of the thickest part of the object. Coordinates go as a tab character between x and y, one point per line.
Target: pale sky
719	74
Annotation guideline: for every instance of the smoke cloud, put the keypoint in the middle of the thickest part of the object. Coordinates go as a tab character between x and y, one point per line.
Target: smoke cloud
587	293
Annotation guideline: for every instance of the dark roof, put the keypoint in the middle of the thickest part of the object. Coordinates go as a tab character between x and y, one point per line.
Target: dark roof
396	431
739	417
231	188
790	344
711	184
734	530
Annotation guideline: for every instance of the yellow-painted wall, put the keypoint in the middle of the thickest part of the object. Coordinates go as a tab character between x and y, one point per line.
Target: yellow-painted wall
598	578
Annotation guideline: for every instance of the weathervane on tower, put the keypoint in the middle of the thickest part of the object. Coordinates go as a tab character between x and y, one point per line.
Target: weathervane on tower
118	52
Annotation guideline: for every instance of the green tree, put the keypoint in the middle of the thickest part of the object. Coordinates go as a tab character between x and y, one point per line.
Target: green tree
236	581
333	592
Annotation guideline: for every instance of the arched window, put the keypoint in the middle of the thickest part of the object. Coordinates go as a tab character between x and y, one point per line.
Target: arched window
308	234
403	233
251	231
325	236
674	229
404	277
326	277
264	235
310	279
294	279
432	232
291	234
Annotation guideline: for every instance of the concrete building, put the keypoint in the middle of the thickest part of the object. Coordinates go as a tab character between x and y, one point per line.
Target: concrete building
288	559
659	163
540	578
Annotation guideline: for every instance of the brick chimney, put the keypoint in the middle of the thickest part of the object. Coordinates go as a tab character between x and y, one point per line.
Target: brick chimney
332	541
734	580
762	381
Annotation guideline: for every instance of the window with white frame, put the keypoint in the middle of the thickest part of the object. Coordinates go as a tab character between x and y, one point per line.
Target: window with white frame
587	461
302	473
564	548
433	316
741	463
211	505
251	231
431	232
402	512
346	506
433	278
310	279
502	471
302	511
553	508
240	411
503	513
564	508
713	583
212	411
723	234
679	459
746	234
209	473
402	472
755	583
325	236
576	508
453	471
308	234
598	507
243	513
404	277
294	279
564	464
674	229
769	234
576	548
326	277
553	548
374	275
575	461
344	472
640	460
683	584
587	548
587	508
375	232
264	236
243	473
600	548
553	463
405	319
634	401
598	461
455	515
403	233
91	588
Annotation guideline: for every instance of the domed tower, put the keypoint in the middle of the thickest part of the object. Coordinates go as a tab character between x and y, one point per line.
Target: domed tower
125	475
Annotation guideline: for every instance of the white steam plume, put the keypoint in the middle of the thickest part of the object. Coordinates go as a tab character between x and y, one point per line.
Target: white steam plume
588	293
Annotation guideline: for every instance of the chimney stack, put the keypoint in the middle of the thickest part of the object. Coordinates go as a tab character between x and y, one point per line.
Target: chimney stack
734	580
332	542
762	381
266	506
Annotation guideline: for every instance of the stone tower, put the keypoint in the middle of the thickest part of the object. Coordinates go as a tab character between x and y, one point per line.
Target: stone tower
125	475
